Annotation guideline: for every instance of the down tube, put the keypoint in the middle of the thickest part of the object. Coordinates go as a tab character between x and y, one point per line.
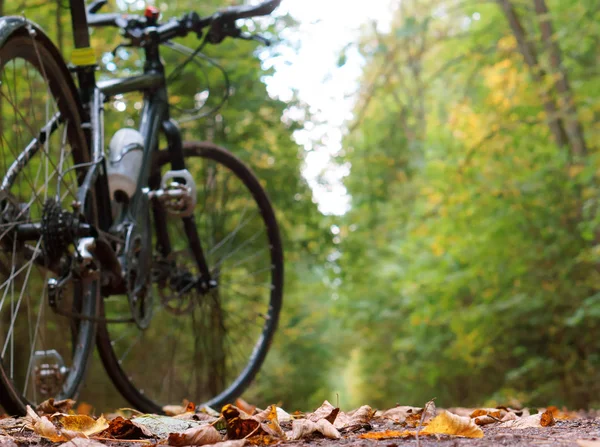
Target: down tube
153	114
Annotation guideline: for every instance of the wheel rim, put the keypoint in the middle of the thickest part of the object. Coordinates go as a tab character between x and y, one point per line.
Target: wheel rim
37	346
210	344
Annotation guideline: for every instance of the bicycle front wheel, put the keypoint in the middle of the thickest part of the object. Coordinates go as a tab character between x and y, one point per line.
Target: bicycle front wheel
43	354
203	345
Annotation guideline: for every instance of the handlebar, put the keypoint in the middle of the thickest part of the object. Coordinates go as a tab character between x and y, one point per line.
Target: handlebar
221	23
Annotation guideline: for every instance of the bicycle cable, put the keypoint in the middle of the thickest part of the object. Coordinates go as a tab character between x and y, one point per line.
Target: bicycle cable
192	54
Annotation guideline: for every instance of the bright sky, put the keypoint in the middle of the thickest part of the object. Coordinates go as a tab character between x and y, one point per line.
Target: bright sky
326	26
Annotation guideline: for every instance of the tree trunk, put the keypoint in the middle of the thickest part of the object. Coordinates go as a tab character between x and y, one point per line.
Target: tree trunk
531	59
566	102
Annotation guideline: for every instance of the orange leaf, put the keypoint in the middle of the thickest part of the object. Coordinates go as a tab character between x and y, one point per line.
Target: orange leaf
388	434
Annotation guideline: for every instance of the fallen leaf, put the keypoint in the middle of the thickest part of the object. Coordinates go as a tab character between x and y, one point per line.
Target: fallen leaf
270	419
161	426
52	406
46	429
388	434
239	423
325	411
534	421
305	427
485	420
283	416
495	412
174	410
360	416
450	424
510	416
195	436
120	428
245	406
547	419
399	414
81	423
562	414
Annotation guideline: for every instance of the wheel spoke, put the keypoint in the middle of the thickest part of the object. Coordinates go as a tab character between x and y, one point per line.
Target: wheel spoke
218	338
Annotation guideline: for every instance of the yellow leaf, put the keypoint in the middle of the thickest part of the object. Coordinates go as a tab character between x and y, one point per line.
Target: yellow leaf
81	423
450	424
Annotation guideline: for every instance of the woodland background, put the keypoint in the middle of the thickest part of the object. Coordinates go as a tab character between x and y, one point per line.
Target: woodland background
467	267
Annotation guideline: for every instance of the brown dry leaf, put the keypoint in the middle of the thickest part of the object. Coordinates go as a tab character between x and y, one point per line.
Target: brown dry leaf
485	420
562	414
81	423
547	419
245	406
388	434
241	425
173	410
495	412
534	421
399	413
270	419
206	434
360	416
120	428
588	443
46	429
450	424
52	406
325	411
510	416
305	427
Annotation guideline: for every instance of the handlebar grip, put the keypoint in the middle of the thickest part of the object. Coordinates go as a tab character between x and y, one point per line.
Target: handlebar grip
245	12
104	20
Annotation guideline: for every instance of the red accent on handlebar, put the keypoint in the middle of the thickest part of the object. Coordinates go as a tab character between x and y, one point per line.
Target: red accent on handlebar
152	13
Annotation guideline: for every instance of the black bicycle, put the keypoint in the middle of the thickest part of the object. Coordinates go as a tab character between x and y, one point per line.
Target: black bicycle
169	258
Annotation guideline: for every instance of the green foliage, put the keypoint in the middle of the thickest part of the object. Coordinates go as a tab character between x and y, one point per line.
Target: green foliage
469	257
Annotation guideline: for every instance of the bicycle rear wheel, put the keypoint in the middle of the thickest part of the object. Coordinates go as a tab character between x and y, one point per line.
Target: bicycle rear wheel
42	354
203	346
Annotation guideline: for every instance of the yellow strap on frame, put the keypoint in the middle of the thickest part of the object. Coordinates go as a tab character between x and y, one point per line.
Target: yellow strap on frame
83	56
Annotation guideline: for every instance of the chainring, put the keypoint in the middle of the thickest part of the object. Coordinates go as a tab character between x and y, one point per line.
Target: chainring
137	265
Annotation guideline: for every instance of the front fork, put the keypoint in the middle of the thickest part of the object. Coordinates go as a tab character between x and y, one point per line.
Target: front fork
177	158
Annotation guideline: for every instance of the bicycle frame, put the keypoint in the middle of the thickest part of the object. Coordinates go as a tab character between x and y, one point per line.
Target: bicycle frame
154	119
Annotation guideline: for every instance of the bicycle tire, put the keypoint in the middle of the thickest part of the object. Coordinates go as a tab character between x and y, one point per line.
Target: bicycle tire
30	58
136	377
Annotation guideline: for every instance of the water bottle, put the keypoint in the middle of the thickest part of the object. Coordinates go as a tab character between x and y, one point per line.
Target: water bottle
126	150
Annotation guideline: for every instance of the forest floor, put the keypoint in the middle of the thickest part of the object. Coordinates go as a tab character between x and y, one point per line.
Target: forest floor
325	427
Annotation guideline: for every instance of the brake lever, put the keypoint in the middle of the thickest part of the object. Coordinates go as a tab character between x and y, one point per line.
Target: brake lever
121	45
255	37
95	6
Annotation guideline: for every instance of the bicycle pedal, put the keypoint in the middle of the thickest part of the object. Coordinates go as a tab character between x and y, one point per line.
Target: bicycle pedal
49	372
177	193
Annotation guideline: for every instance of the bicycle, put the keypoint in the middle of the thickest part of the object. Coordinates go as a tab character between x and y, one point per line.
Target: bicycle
169	258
